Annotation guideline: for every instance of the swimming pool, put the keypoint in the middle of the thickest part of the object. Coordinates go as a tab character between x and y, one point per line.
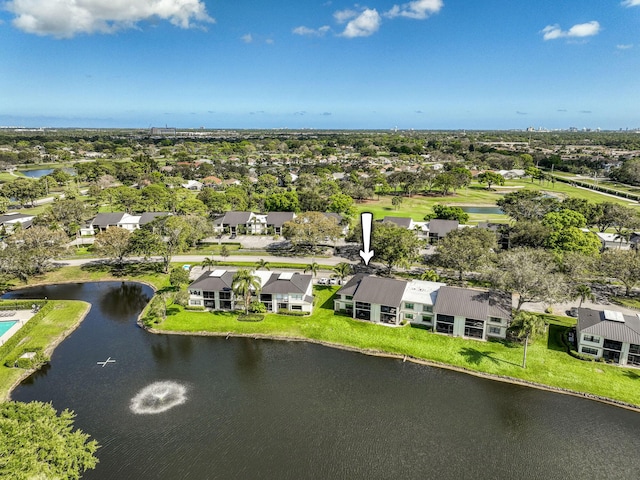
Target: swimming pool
5	325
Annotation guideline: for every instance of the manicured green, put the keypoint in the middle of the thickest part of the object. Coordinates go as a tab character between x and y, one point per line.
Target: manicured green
547	361
627	302
63	315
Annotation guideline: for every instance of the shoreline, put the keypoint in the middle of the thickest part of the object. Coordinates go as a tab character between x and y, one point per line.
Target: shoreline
48	351
407	358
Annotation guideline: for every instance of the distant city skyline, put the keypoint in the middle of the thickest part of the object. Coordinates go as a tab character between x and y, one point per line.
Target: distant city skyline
423	64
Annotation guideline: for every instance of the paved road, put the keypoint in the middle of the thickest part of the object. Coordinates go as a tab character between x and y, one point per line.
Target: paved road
233	258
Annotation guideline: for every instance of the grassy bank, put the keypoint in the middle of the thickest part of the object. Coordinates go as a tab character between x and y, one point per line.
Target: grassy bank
547	361
48	331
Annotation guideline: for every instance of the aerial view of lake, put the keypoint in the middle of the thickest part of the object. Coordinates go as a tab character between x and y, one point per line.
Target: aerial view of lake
183	407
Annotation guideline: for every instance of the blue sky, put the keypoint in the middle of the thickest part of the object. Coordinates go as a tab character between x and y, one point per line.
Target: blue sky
424	64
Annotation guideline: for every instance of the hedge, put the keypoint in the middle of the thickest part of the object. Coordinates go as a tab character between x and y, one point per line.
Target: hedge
293	313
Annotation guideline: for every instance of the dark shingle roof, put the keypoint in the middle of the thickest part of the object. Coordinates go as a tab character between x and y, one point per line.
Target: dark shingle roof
593	322
298	283
400	221
381	291
336	216
106	219
209	283
351	286
470	303
442	227
10	217
148	217
235	218
276	219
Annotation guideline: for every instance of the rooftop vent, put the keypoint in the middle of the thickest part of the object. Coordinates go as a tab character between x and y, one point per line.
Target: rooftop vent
286	276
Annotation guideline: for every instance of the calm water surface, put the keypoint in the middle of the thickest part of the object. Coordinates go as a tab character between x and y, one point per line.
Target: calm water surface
277	410
483	210
41	172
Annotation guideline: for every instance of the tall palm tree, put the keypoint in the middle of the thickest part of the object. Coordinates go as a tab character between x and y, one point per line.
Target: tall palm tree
623	235
527	325
584	293
209	262
313	267
262	263
342	270
243	284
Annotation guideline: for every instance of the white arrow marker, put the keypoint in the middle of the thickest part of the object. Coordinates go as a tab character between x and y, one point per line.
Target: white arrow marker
365	220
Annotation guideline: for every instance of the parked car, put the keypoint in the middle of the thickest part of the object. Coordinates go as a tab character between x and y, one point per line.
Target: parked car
573	312
333	281
323	281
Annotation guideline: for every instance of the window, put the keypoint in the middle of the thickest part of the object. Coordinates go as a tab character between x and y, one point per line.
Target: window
495	330
495	320
590	351
387	309
194	292
634	349
348	297
363	306
408	306
408	316
612	345
296	307
295	296
209	295
590	338
427	308
195	302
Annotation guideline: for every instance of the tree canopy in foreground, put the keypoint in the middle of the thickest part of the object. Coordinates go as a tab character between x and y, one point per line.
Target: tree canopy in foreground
35	442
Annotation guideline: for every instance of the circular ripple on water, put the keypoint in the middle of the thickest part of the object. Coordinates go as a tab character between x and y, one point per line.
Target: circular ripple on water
158	397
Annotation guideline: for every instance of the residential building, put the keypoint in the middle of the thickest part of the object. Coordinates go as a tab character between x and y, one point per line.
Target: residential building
609	334
275	221
234	223
613	241
421	228
467	312
103	221
9	221
280	291
386	300
192	185
439	228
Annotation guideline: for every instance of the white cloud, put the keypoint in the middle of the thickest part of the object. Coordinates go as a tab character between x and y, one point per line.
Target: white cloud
625	46
418	9
365	24
342	16
247	38
631	3
67	18
552	32
310	32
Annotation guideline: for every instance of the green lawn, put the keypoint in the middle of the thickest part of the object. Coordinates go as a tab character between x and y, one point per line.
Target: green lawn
476	195
547	362
64	316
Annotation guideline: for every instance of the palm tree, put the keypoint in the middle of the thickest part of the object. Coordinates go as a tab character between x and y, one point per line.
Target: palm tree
430	276
313	267
262	263
623	235
584	293
527	325
209	262
342	270
243	284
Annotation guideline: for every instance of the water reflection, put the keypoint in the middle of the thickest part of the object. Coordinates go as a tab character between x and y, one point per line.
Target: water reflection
120	304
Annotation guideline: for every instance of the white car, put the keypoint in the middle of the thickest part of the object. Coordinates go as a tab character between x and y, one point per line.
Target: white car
333	281
323	281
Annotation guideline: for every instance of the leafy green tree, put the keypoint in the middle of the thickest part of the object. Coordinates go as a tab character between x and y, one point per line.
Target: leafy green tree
445	181
224	251
244	284
396	200
145	242
527	326
174	231
4	204
282	202
67	212
465	250
531	274
446	212
24	190
430	276
527	205
341	203
394	246
623	265
178	277
113	243
490	178
215	201
310	229
36	442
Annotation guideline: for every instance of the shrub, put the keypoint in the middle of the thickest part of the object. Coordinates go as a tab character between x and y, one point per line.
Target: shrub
257	307
294	313
251	317
194	308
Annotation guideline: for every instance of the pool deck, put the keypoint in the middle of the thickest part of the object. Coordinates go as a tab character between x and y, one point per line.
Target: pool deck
22	316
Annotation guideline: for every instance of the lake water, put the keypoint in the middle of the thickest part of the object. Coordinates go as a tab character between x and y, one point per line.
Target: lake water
483	210
41	172
277	410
